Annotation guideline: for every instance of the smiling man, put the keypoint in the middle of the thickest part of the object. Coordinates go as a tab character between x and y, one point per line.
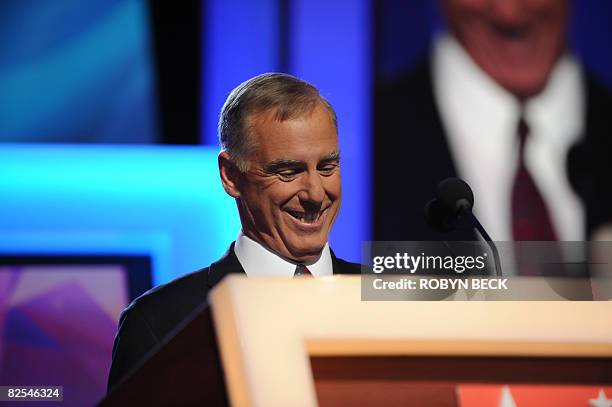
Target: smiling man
281	163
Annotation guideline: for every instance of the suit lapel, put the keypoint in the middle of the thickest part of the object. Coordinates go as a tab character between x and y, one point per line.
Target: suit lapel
411	156
227	264
588	164
335	266
340	266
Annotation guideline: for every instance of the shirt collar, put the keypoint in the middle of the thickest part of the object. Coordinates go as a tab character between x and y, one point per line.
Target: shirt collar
469	99
259	261
557	113
462	86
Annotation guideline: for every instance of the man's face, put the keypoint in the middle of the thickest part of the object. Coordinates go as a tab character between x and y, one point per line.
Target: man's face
290	196
516	42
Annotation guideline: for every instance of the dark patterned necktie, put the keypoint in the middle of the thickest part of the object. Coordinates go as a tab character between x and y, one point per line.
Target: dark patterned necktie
531	222
301	270
530	217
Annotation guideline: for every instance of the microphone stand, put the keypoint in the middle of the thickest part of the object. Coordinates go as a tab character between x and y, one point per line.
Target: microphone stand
476	224
457	196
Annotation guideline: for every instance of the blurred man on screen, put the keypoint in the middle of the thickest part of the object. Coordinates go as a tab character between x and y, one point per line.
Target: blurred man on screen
280	161
502	103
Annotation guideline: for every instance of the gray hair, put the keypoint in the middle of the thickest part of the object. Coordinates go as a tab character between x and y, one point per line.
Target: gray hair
286	96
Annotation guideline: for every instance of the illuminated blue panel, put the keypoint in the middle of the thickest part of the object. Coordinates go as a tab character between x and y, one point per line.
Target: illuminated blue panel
240	41
167	202
330	47
71	72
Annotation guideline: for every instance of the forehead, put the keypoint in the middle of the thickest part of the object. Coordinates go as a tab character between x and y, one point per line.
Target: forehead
310	136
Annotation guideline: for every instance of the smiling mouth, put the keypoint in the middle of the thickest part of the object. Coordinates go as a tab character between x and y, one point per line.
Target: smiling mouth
512	33
307	217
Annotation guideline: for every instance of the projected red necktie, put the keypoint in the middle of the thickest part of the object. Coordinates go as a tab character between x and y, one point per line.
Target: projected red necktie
530	217
301	270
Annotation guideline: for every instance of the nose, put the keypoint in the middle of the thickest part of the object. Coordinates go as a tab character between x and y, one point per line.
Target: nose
313	189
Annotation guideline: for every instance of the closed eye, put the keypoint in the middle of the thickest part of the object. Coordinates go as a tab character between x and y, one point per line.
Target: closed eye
286	170
329	164
328	169
288	174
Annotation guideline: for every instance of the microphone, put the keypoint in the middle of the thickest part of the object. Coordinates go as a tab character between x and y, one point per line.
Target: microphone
454	200
456	195
439	218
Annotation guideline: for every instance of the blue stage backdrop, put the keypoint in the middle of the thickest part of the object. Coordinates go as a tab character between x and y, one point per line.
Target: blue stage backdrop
73	71
166	203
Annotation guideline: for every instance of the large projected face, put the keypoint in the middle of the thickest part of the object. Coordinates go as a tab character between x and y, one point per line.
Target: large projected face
516	42
290	195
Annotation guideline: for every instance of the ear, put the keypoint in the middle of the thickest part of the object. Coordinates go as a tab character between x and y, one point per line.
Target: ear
229	173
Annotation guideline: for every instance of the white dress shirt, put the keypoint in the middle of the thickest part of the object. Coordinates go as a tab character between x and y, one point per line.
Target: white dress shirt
259	261
480	120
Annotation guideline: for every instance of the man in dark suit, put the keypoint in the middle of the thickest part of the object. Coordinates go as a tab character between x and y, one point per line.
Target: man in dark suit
281	163
502	69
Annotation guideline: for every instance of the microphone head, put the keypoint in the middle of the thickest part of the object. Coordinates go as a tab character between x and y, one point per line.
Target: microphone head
455	195
438	217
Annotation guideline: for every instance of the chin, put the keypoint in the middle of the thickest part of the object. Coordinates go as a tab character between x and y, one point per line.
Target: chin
524	87
523	80
522	83
306	253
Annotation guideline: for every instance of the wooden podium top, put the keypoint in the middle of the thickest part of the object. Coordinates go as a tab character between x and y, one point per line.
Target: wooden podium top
269	328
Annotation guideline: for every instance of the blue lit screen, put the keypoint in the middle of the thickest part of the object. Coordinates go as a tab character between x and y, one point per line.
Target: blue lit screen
76	72
166	202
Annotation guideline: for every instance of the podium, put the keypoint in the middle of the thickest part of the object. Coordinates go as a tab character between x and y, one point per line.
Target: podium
309	342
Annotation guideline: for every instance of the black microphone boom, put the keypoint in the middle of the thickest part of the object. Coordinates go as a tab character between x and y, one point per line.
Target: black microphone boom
454	200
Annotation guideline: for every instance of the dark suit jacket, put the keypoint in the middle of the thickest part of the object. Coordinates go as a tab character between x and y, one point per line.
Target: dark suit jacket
411	156
150	318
